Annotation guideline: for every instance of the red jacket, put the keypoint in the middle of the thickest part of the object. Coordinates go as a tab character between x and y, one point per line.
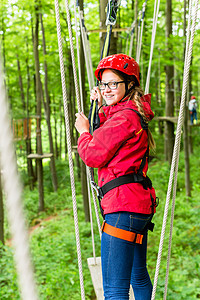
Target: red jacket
116	149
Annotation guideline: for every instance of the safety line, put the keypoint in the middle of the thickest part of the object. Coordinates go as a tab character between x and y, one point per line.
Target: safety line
140	32
188	54
87	169
78	58
174	166
155	20
91	80
64	91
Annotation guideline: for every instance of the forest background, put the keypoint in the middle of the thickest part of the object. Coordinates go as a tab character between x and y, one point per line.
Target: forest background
29	48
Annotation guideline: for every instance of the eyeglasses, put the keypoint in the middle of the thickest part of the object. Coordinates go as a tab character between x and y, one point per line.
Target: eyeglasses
112	85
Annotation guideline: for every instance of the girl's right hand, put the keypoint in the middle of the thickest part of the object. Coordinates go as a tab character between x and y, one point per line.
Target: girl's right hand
95	94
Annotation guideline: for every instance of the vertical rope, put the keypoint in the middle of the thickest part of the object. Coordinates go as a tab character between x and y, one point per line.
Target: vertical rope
69	149
85	48
91	84
132	36
13	191
72	55
95	203
141	32
155	20
176	146
81	105
78	57
188	55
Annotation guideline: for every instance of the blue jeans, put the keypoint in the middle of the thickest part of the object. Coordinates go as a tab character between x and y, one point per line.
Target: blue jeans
193	116
123	262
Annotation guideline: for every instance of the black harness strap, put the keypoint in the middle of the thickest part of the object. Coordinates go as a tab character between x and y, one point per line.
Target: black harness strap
125	179
129	178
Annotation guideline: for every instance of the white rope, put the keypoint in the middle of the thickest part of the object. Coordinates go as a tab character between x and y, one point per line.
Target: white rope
95	203
69	149
87	168
91	85
85	48
78	58
155	20
127	41
188	55
81	105
175	157
140	34
72	55
132	37
13	191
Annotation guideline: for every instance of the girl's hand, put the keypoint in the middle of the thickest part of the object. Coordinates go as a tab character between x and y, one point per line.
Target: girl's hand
96	95
82	123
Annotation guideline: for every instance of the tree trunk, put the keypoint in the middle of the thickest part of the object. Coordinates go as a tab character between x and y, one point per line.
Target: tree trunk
1	214
21	84
3	30
186	151
38	110
186	128
61	128
55	132
169	107
84	187
31	175
48	113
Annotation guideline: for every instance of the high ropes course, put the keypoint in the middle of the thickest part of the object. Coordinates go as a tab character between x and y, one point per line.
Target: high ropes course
11	182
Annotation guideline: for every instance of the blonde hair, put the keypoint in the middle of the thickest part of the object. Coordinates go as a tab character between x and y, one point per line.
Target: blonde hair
135	96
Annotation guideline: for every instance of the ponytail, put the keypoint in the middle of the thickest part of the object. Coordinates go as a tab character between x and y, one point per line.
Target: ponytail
135	96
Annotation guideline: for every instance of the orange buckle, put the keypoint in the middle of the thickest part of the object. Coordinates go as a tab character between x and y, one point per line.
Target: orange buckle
122	234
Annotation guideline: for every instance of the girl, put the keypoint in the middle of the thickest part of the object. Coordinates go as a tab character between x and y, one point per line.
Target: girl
119	148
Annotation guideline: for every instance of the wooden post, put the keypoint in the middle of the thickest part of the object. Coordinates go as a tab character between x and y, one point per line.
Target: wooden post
38	109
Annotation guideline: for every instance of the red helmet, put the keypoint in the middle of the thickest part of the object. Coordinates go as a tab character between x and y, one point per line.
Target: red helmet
193	97
120	62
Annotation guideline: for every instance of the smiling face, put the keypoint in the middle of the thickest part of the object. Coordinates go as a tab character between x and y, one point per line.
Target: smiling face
112	96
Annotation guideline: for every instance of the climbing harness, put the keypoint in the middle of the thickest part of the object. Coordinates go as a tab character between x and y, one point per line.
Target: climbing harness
186	66
138	177
125	179
122	234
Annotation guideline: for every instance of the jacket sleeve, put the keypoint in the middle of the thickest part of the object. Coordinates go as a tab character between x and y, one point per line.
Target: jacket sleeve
97	150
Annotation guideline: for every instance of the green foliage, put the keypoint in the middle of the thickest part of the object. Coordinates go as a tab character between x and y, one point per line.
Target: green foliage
184	270
53	244
53	247
8	276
